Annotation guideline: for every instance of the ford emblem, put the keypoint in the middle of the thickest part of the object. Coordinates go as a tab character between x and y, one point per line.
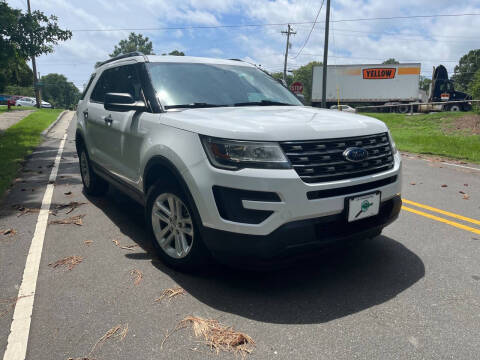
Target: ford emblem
355	154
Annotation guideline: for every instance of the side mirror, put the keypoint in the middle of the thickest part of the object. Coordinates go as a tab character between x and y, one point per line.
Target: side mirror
122	102
301	97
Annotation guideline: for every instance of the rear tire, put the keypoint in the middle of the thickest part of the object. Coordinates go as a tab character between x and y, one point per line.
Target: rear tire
92	183
455	108
174	227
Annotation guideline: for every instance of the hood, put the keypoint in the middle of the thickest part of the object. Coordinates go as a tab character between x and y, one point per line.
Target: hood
273	123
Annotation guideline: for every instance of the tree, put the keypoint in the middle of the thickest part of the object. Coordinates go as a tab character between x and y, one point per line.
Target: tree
304	75
279	76
15	73
135	42
58	91
474	89
466	69
176	53
424	83
391	61
25	35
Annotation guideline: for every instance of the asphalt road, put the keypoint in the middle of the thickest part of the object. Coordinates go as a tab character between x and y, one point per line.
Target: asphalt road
412	293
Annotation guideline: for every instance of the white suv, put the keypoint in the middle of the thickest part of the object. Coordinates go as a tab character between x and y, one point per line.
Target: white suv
229	163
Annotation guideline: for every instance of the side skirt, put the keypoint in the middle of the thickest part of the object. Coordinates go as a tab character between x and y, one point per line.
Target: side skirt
121	185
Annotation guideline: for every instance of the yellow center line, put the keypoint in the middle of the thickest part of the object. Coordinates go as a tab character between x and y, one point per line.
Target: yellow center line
451	223
460	217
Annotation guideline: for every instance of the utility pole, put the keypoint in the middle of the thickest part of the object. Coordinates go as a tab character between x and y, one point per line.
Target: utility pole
288	32
34	65
325	57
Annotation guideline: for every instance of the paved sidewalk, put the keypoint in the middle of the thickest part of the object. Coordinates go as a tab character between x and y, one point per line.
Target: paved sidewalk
10	118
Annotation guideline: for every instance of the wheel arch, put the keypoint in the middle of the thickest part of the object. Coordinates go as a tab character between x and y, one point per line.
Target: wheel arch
160	168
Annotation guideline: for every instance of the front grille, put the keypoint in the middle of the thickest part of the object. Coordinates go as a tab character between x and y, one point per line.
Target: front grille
323	160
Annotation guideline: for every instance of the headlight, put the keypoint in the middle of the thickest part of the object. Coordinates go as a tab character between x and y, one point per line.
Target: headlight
392	143
235	155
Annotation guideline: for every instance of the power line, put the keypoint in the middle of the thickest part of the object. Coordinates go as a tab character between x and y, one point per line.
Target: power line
271	24
310	33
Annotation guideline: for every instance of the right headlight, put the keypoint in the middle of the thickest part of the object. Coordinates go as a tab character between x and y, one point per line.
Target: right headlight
236	154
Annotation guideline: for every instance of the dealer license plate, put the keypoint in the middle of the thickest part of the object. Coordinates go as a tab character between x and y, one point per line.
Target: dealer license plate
361	207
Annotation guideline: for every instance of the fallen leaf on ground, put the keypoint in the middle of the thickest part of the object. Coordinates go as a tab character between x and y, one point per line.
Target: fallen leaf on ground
171	293
413	183
125	247
72	205
444	185
218	337
68	193
117	331
461	192
466	197
88	242
9	232
24	210
70	262
137	276
77	220
465	184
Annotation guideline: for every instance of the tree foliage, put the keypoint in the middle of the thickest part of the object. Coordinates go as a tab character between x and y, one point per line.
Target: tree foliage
58	91
304	74
474	89
135	42
424	83
176	53
391	61
15	73
466	69
24	35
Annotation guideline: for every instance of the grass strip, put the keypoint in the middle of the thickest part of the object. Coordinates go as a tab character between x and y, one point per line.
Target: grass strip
20	140
432	134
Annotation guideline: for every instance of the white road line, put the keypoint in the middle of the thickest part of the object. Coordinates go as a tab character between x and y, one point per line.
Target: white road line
462	166
20	328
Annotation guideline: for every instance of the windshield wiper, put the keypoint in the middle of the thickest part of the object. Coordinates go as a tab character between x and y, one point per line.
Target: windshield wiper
192	106
262	103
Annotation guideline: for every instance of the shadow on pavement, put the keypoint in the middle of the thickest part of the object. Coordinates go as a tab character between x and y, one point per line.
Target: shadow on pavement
333	285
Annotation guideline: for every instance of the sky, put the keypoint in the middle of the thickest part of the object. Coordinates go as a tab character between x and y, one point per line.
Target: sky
429	41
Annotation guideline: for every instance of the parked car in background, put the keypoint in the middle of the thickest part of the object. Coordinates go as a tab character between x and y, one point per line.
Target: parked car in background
28	101
343	108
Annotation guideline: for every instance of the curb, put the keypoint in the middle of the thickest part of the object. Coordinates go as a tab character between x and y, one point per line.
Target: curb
45	132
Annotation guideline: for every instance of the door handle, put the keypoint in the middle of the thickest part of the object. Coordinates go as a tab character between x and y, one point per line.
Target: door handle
85	114
108	119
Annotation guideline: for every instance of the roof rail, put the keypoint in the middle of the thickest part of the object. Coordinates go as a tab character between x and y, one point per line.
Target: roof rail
122	56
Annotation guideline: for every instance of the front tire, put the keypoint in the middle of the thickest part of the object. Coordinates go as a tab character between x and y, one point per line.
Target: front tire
174	228
92	183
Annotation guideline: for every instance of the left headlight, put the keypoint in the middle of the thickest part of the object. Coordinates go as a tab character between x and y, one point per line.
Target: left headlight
236	154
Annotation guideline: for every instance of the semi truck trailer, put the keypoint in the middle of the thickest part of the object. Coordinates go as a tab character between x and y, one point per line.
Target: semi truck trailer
394	85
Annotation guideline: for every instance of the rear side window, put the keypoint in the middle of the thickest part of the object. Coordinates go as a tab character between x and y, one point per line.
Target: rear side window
121	79
88	86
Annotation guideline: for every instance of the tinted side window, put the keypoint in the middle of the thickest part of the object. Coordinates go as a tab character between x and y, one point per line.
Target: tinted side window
121	79
88	86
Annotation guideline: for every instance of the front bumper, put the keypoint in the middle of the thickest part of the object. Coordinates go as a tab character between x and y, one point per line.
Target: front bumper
297	237
296	201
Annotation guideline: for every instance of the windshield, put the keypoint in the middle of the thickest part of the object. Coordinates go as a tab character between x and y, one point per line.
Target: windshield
207	85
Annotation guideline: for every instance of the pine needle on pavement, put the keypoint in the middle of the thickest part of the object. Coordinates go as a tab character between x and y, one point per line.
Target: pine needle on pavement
125	247
137	276
171	293
76	220
218	337
69	262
